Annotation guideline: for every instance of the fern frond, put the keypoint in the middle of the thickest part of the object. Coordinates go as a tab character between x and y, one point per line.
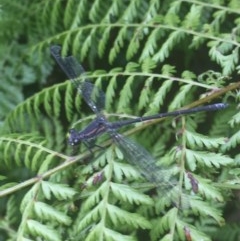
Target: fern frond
126	194
59	191
206	159
163	224
46	212
168	45
107	234
156	55
233	141
197	140
111	91
229	232
33	211
235	120
118	44
35	228
14	145
206	210
219	52
125	95
208	190
180	99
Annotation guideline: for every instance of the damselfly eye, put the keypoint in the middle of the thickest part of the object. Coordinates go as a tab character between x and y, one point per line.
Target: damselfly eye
73	138
75	141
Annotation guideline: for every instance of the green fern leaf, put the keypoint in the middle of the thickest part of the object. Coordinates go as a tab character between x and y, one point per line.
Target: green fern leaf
206	187
94	198
110	234
164	51
160	226
110	93
47	105
87	44
118	44
233	141
57	102
125	95
227	61
126	194
206	159
45	163
56	8
60	191
28	159
104	41
160	96
35	228
189	232
46	212
17	155
69	102
12	142
98	232
119	216
192	19
148	65
92	216
12	209
69	13
200	207
235	120
145	94
27	200
123	169
195	140
134	44
180	98
151	43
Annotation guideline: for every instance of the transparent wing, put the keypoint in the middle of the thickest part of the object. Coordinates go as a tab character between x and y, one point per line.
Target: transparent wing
93	96
140	158
163	179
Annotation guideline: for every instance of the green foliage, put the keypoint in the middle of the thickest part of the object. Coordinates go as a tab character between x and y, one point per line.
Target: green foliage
147	56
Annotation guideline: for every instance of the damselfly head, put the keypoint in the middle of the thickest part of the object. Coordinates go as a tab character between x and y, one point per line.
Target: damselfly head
73	138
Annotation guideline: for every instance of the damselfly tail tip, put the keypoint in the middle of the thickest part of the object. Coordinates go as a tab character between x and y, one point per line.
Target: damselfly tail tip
220	106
